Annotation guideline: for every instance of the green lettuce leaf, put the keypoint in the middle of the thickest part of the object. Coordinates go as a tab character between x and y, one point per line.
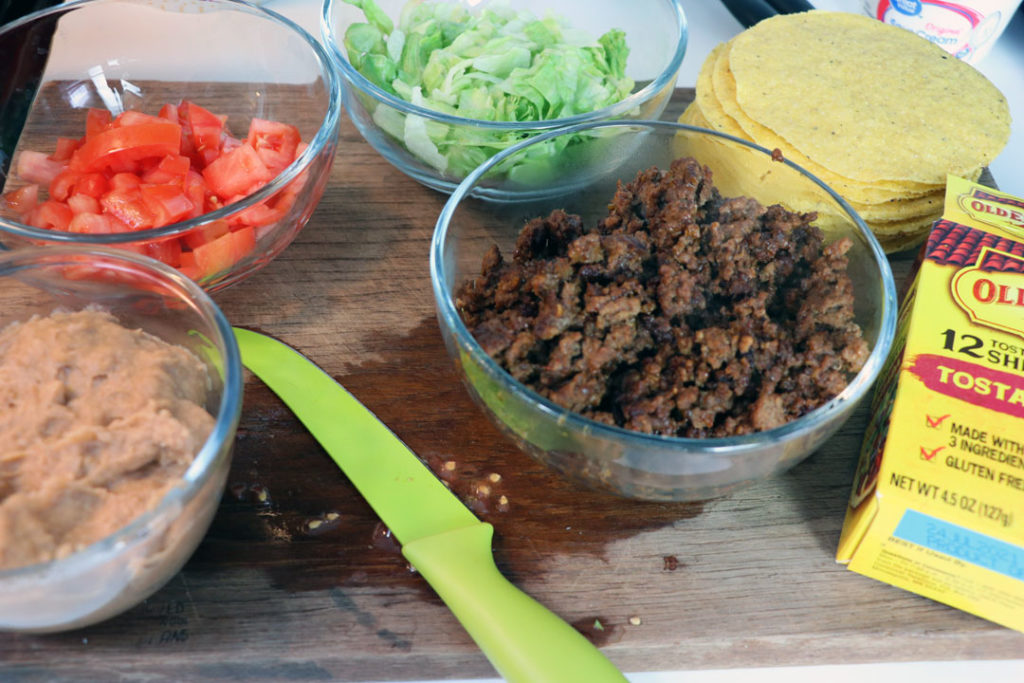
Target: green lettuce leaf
499	64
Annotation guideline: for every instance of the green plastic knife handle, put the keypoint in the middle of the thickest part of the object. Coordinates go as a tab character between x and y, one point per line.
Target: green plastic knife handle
524	641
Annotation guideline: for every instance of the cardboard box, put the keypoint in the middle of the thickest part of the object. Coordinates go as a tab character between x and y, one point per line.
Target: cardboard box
937	505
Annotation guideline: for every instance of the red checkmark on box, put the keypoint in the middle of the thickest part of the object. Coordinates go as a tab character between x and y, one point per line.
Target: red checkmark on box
935	421
928	455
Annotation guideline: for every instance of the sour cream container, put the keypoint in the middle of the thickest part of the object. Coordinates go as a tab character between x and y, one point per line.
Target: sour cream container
966	29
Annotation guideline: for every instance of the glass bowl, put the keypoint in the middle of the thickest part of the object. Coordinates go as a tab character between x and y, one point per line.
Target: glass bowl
655	33
119	571
231	58
609	458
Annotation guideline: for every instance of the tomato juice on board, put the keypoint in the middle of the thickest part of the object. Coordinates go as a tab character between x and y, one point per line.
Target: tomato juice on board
937	505
964	28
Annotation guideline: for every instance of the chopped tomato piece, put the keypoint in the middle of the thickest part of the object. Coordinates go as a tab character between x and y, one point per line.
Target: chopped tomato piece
206	234
188	266
274	142
196	191
119	147
63	184
132	117
124	181
70	182
22	200
202	126
129	207
169	112
83	203
51	215
239	172
229	143
168	251
166	203
92	224
257	214
92	184
171	169
65	146
36	167
96	121
223	252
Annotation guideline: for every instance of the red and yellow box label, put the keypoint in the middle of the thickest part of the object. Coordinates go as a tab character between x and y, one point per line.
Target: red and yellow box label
938	499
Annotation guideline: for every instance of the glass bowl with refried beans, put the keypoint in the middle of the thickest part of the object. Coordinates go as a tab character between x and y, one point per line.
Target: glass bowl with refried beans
659	325
122	388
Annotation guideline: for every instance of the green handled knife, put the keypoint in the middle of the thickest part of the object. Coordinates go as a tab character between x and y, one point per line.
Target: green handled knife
440	537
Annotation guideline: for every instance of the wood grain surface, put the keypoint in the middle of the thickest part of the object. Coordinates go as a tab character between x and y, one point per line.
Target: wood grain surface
297	579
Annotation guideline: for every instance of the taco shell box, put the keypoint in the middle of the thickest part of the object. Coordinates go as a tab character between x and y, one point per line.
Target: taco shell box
937	506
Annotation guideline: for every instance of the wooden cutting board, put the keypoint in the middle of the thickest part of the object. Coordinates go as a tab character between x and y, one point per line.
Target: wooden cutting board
297	579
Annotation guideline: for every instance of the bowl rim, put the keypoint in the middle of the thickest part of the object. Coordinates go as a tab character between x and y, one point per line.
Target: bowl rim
325	138
352	76
732	446
226	420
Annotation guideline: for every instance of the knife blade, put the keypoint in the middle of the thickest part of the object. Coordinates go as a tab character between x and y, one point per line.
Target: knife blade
440	537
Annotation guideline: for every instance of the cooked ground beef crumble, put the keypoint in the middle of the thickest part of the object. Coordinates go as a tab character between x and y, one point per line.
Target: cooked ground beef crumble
681	313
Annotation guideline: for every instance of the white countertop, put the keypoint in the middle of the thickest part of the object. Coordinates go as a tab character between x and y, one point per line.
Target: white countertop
709	24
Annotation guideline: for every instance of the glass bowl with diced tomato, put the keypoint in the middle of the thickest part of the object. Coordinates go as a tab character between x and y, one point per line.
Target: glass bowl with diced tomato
197	132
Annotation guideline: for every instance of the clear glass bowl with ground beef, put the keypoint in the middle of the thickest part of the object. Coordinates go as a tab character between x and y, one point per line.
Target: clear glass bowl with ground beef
659	325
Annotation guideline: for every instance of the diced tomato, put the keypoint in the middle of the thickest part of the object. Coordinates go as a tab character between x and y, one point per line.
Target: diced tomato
96	121
286	197
205	234
196	191
166	203
63	184
70	182
133	117
168	251
129	207
140	171
92	184
91	224
50	215
171	169
119	147
65	146
274	142
229	143
83	203
36	167
22	200
201	126
223	252
188	266
257	214
244	242
239	172
124	181
169	112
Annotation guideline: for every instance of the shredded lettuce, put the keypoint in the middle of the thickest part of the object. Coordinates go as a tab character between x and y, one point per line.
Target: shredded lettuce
499	64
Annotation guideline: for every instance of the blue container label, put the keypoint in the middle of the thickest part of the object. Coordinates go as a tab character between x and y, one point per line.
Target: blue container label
961	543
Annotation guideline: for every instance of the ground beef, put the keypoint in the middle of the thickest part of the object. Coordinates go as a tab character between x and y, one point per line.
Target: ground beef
680	313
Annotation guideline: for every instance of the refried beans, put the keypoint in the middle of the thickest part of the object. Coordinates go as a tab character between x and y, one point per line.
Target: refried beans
681	313
97	423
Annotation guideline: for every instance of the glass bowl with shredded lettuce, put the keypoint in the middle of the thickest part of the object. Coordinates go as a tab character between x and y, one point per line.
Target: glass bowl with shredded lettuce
438	87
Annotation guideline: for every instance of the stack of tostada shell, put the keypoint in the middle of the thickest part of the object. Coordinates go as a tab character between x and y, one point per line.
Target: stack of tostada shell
877	113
